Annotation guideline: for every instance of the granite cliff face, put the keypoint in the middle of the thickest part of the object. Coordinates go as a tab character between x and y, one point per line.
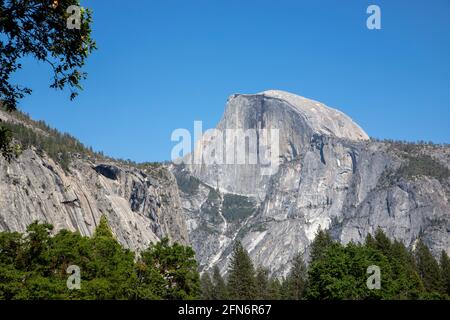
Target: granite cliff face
298	120
330	176
141	205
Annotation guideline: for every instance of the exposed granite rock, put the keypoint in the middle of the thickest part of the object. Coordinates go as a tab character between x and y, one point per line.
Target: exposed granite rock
141	206
331	177
299	120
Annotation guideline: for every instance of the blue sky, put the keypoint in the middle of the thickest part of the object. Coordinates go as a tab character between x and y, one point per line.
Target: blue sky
162	64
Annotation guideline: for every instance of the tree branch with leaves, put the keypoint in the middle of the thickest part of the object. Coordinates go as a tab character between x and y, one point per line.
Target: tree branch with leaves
42	29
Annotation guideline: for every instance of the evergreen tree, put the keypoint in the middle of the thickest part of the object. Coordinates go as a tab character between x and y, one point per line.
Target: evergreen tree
382	242
177	265
220	288
103	229
445	271
406	280
370	241
321	242
284	289
241	275
262	284
428	269
11	266
35	256
5	142
297	279
275	288
207	288
33	266
341	274
111	267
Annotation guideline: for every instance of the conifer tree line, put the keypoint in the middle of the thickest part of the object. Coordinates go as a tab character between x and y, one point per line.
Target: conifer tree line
337	272
34	265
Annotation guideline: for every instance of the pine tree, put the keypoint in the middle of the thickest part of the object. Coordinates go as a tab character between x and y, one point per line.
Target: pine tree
297	279
177	265
206	287
220	288
321	242
103	229
382	242
262	284
37	245
275	289
407	283
241	275
370	242
33	266
341	274
284	289
428	269
114	273
445	271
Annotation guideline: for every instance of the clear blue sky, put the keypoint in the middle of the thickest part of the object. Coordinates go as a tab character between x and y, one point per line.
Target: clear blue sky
163	64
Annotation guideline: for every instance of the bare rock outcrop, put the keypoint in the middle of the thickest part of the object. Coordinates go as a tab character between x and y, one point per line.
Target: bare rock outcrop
141	206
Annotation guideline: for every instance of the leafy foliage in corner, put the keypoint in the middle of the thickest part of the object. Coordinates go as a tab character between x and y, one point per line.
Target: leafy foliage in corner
43	30
39	29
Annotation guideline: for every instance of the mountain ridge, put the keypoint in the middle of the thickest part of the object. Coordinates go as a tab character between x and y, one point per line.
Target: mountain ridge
324	181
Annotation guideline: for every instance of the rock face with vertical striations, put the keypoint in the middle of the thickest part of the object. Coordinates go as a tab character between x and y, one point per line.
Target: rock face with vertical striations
299	121
141	204
330	176
141	207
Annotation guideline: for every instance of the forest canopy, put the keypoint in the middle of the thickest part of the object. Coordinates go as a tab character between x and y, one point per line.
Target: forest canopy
39	265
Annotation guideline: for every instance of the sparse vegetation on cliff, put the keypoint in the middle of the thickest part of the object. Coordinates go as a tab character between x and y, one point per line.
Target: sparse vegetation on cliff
61	147
417	161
